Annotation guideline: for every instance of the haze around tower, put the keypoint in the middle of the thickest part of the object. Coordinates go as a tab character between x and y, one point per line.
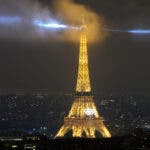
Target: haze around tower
73	13
17	20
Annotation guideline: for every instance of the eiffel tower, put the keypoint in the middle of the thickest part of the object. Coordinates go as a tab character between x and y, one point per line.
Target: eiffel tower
83	119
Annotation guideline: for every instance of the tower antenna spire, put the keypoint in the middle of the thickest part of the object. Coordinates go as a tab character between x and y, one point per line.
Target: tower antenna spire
83	19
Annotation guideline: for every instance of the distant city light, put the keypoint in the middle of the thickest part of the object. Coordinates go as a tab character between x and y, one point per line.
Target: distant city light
14	146
147	126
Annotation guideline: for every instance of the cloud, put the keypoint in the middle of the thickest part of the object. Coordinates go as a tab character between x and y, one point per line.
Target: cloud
27	11
66	11
73	13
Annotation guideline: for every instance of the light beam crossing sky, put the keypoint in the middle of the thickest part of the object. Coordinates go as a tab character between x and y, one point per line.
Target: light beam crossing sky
53	24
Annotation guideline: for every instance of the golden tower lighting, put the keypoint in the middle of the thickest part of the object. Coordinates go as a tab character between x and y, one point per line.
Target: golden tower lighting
83	119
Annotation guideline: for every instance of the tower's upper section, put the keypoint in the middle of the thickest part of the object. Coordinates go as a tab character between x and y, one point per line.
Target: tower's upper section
83	79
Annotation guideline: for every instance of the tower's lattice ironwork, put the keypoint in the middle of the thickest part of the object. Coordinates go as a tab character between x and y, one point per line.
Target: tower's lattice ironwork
83	118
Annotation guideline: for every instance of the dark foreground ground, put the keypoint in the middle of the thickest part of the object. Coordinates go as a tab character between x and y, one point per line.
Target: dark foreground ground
138	141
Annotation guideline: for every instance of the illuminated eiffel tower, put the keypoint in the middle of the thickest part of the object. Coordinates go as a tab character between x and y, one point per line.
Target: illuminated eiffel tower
83	119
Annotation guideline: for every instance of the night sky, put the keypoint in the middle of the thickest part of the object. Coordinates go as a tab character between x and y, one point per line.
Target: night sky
118	64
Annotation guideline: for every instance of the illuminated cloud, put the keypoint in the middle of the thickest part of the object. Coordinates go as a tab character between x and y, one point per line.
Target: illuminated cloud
33	21
73	13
